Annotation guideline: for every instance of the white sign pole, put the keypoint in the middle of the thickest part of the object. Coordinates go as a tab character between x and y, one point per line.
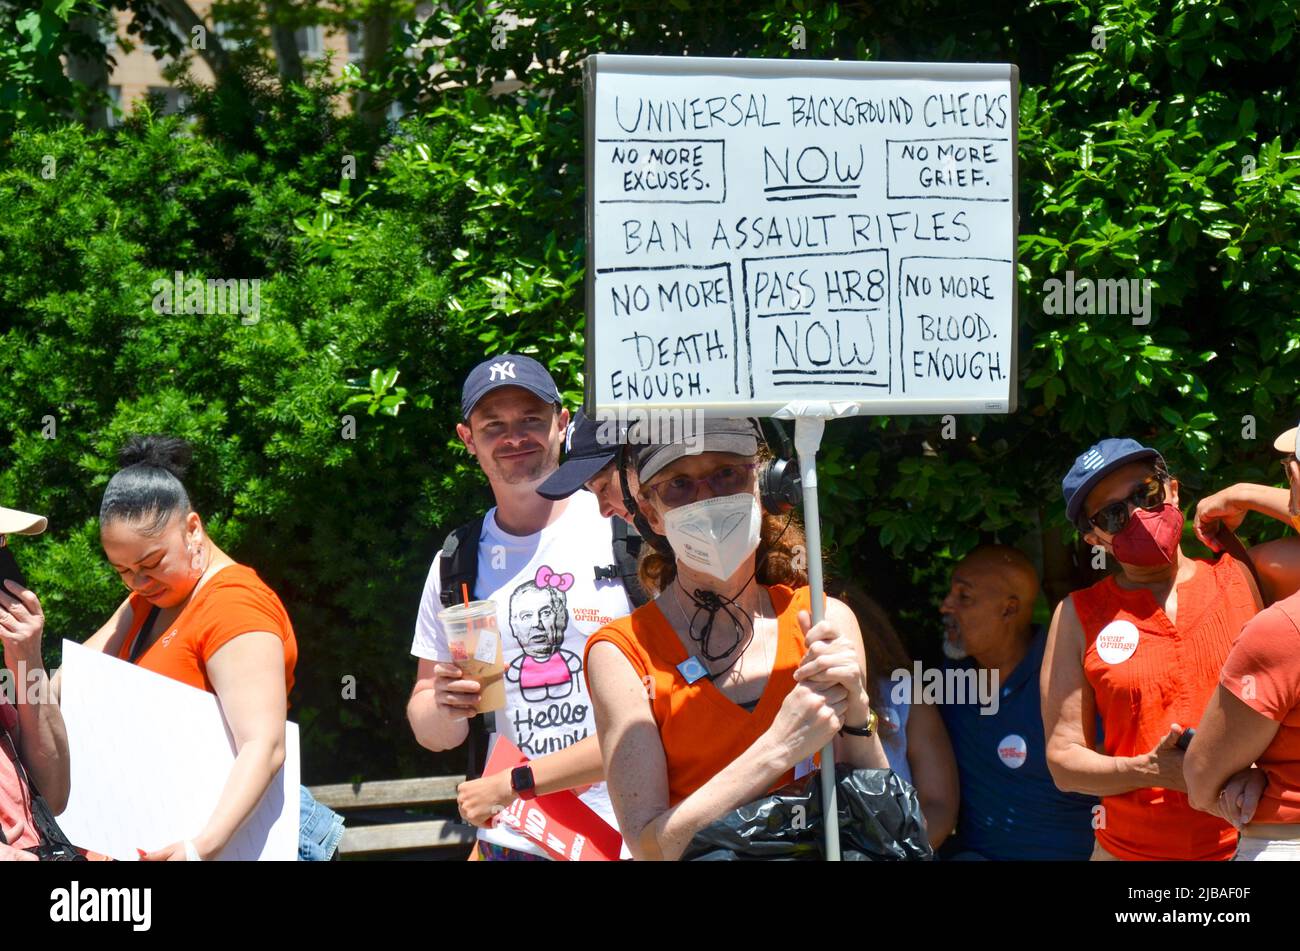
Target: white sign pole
807	438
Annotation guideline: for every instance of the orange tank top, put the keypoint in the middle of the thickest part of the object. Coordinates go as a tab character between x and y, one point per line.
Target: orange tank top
700	728
1147	673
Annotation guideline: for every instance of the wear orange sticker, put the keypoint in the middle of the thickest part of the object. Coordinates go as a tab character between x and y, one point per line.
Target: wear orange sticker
1117	641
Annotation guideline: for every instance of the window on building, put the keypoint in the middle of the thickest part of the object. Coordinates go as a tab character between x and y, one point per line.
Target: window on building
115	96
310	40
356	41
173	99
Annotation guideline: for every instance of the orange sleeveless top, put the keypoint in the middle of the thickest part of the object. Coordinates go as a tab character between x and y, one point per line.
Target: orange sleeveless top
1147	673
700	728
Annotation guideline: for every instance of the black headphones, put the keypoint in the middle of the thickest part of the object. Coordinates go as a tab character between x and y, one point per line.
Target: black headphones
779	485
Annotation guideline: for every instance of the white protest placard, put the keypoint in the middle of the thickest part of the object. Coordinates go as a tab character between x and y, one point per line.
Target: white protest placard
770	233
150	757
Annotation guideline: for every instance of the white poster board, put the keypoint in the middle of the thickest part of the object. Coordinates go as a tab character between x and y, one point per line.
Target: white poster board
150	756
766	233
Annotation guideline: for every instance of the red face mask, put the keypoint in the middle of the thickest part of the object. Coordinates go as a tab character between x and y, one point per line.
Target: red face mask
1150	539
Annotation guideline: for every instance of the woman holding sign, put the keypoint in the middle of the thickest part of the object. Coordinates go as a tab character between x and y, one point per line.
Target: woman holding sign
194	614
721	689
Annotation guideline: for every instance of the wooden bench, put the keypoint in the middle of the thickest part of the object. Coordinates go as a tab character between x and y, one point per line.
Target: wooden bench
398	832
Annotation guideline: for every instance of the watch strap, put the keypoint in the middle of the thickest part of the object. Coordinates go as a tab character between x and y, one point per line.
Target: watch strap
868	730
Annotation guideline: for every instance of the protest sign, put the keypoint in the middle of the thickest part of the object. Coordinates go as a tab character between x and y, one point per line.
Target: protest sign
772	232
150	757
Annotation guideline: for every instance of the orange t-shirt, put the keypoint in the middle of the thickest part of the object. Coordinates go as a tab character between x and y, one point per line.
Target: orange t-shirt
700	728
1147	673
1263	672
233	601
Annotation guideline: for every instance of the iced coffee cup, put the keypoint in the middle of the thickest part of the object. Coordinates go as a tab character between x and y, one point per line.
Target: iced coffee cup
475	645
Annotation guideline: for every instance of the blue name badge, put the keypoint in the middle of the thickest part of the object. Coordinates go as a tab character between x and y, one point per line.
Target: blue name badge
692	670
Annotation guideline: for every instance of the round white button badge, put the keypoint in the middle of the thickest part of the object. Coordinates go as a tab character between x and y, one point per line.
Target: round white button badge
1012	750
1117	641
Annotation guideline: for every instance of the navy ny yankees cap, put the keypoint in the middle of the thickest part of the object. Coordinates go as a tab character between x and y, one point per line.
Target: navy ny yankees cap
509	369
1094	465
585	454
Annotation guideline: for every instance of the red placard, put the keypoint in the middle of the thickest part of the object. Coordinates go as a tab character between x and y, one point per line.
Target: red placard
561	823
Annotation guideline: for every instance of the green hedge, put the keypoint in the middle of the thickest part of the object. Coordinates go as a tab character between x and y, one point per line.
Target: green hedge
462	235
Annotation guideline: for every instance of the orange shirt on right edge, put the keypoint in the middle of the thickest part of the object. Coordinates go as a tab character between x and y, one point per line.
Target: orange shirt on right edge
1263	672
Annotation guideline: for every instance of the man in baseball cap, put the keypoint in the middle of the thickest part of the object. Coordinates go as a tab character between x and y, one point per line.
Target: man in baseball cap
510	369
546	565
590	462
1143	648
33	739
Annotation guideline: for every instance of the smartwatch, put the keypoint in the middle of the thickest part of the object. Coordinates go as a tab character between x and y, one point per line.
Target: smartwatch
868	730
522	782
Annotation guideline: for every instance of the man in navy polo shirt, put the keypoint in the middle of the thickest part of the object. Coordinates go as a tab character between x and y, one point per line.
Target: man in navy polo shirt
1010	806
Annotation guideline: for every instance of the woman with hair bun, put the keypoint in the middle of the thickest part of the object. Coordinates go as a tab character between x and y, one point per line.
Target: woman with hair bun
196	615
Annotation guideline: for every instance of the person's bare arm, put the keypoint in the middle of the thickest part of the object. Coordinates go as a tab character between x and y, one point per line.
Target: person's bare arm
441	705
637	770
9	854
578	764
1229	738
934	771
1278	562
1069	715
107	640
1228	507
247	675
42	738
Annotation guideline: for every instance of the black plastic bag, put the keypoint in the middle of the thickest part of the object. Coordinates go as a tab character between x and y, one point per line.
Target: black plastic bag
880	821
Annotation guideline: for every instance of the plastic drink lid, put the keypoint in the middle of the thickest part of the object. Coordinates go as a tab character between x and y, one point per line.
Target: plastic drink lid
475	611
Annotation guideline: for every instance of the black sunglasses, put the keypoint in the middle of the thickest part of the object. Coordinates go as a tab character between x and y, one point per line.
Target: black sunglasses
1149	494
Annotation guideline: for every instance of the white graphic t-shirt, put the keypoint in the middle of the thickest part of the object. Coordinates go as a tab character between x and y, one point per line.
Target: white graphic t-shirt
548	604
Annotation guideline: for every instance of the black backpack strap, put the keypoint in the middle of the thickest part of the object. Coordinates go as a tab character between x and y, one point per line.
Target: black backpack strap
137	648
627	551
459	566
459	563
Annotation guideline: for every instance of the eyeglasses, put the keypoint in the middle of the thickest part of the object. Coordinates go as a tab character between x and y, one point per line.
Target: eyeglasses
731	479
1149	494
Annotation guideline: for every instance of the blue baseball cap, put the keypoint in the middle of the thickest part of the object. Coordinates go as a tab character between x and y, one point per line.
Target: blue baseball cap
1094	465
585	454
509	369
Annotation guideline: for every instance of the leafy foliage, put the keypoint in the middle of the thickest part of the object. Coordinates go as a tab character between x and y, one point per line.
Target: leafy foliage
1169	155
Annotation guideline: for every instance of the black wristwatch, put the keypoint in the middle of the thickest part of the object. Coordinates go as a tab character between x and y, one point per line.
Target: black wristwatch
522	782
868	730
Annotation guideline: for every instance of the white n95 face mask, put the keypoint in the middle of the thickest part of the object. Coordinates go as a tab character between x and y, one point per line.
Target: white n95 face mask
715	535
